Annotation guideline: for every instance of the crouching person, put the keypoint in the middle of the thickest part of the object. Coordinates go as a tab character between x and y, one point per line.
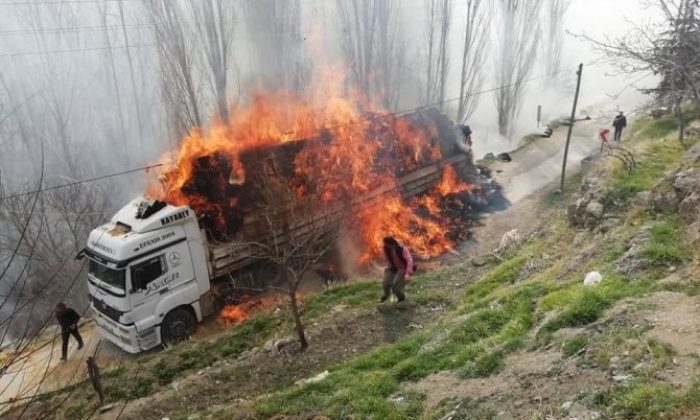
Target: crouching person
68	320
400	266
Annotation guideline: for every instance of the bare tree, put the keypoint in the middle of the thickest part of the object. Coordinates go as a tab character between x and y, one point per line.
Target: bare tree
438	60
115	83
48	238
132	73
279	55
667	49
556	12
373	48
179	89
517	47
475	41
297	234
214	20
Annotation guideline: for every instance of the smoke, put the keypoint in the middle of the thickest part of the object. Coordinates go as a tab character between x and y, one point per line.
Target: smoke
95	85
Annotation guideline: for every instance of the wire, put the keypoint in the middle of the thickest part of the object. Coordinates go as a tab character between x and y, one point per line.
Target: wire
70	50
49	2
8	32
84	181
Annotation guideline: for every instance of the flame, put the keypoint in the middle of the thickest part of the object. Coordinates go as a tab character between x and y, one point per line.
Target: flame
449	184
355	146
233	314
419	224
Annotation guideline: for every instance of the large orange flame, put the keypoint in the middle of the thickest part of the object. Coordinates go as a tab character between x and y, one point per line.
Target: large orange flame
353	163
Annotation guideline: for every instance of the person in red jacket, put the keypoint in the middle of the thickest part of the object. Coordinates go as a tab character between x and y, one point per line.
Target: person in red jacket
400	266
68	320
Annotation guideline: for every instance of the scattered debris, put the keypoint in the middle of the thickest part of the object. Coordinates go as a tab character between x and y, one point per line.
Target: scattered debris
592	278
509	240
317	378
621	378
107	407
504	157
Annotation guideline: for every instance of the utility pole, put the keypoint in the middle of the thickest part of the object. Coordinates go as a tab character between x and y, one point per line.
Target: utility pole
571	125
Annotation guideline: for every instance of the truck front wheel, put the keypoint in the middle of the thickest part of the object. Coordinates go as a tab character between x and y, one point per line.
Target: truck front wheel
177	325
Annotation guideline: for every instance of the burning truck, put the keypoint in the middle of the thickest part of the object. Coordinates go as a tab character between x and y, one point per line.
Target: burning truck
164	260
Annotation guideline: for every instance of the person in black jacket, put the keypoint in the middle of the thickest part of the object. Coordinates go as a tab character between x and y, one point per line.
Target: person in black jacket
619	122
68	320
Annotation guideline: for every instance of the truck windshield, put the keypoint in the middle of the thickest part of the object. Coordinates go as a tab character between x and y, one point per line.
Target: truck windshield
110	276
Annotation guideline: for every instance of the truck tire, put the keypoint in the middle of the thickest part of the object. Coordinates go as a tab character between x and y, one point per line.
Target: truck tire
177	325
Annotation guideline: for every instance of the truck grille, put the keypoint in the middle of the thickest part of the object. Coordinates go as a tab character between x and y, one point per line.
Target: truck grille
103	308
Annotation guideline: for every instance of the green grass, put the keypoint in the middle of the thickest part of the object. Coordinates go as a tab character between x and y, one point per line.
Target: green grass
645	401
354	295
475	346
656	162
656	129
504	273
665	248
574	345
484	365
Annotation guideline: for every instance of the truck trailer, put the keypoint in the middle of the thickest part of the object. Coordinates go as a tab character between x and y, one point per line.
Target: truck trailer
154	270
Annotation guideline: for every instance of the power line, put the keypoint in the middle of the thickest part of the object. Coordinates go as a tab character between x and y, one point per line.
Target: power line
75	29
71	50
396	113
84	181
59	2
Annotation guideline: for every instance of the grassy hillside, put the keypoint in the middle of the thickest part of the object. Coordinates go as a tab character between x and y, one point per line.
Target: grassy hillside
514	335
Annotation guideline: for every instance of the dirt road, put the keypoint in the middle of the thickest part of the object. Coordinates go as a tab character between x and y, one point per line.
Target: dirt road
533	168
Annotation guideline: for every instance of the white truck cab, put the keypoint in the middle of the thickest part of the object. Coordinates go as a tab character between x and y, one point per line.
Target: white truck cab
148	276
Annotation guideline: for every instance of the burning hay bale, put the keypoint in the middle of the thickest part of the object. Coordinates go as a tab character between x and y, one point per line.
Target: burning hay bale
340	164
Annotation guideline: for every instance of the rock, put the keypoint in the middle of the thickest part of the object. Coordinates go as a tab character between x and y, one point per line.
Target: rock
509	240
397	398
621	378
595	209
592	278
643	198
504	157
107	407
286	345
318	378
614	359
665	201
691	131
687	182
433	344
639	366
580	412
579	238
609	224
689	208
692	233
567	405
631	261
692	155
339	308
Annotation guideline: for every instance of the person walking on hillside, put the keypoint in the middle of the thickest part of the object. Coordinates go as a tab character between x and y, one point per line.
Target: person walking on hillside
619	122
400	266
68	320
